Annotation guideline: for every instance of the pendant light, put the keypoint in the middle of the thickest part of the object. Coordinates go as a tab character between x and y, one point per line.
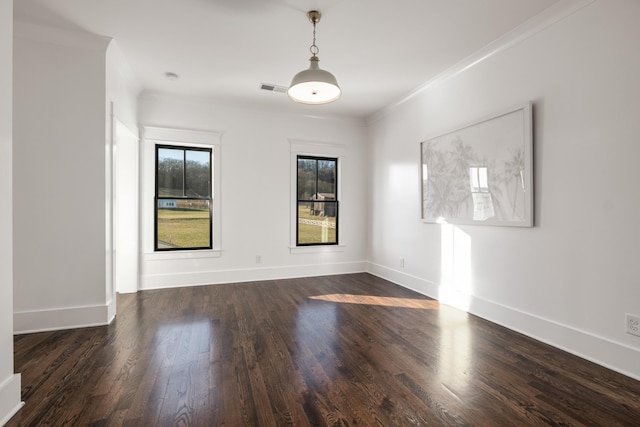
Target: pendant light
313	85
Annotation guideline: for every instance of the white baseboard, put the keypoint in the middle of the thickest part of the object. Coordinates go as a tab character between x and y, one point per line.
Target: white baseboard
600	350
25	322
403	279
111	310
176	280
10	402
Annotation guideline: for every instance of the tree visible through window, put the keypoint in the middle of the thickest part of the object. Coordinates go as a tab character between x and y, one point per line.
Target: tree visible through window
317	201
183	202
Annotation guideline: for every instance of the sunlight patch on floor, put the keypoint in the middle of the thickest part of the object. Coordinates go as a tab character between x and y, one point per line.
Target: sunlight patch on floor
377	300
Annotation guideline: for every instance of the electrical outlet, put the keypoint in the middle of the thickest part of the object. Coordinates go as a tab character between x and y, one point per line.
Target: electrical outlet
258	259
401	262
633	324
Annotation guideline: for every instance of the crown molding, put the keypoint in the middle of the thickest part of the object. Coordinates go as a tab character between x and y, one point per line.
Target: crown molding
528	29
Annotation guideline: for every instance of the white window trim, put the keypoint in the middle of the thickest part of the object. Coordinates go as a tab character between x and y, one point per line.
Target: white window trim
317	149
192	138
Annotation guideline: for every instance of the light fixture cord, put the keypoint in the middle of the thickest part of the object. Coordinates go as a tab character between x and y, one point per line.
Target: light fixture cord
314	49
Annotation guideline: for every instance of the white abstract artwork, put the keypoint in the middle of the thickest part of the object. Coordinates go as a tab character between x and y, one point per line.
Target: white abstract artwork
481	173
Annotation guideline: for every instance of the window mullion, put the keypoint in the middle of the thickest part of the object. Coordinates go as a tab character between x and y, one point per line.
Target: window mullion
317	173
184	173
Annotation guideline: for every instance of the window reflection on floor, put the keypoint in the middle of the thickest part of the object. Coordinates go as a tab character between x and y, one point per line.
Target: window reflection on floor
316	335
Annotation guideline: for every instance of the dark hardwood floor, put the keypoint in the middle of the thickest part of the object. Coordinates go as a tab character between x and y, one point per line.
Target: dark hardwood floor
351	350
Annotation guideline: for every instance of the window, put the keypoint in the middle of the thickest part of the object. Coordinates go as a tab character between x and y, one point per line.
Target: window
317	201
183	198
478	178
482	198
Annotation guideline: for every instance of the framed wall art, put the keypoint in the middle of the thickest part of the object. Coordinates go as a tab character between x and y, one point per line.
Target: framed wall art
481	173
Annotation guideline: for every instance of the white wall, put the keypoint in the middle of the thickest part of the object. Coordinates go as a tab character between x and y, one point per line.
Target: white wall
569	280
123	87
255	194
59	179
9	382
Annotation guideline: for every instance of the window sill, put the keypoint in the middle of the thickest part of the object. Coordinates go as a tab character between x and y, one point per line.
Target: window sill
316	249
169	255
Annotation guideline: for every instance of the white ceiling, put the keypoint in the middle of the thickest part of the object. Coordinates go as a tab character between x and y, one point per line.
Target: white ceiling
380	51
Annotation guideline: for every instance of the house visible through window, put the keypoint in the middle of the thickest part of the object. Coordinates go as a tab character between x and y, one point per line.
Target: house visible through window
183	199
317	201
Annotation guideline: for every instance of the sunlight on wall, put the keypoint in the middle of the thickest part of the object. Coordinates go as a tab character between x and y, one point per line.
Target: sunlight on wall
455	280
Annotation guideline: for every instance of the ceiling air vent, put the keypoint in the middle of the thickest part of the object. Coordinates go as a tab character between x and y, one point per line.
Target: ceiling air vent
273	88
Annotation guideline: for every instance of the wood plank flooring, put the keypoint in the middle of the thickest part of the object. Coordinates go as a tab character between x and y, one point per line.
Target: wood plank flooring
350	350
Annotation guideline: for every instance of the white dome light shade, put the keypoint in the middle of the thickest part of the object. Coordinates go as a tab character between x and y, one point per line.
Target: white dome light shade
314	86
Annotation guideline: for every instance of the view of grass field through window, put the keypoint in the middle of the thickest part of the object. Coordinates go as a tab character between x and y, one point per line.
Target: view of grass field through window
317	221
183	198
